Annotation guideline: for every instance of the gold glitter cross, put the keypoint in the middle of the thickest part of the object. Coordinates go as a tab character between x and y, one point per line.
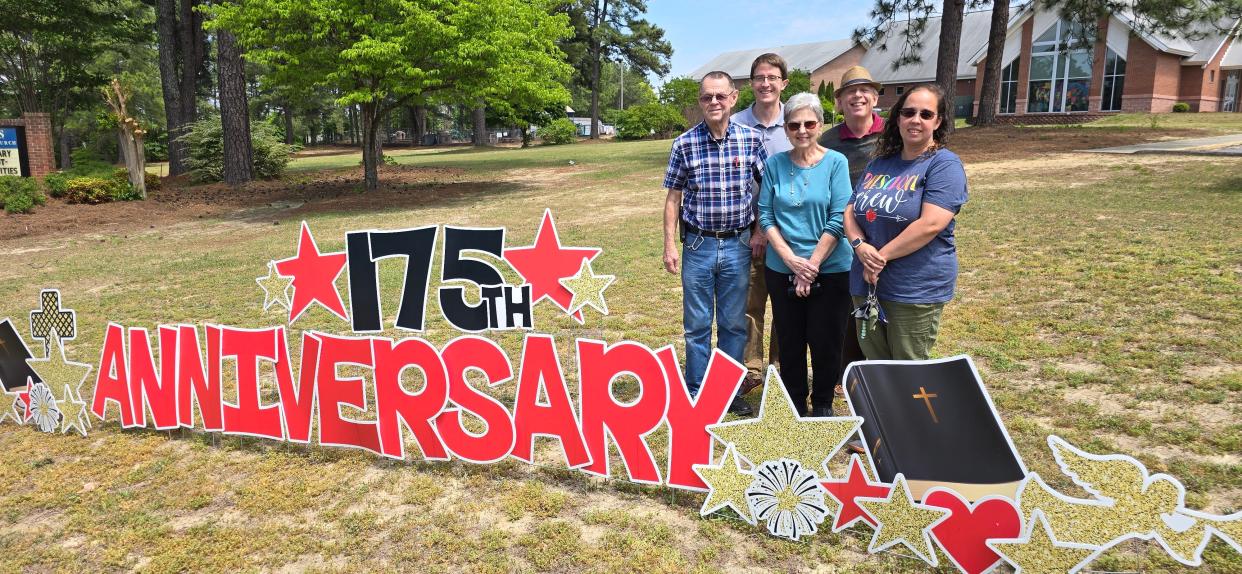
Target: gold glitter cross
927	397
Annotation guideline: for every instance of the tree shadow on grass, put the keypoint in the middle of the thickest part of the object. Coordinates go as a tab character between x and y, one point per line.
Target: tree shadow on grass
1228	185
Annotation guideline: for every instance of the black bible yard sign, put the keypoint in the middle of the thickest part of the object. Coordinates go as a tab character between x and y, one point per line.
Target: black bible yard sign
939	475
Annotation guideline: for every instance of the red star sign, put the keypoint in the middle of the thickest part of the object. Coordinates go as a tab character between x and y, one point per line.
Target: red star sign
314	277
545	263
847	491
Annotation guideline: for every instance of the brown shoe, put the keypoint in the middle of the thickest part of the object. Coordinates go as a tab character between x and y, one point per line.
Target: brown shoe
752	382
856	446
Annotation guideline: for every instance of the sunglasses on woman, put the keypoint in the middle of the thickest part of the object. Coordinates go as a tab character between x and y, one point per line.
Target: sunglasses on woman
795	126
911	112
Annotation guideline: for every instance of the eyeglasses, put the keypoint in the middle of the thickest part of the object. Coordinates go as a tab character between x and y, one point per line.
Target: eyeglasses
768	79
795	126
911	112
709	98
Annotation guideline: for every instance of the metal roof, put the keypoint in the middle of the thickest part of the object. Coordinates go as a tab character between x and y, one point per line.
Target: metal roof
807	57
1233	57
975	27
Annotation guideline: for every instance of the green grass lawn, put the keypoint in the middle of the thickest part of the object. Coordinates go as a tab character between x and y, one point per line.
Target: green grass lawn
1100	296
1221	123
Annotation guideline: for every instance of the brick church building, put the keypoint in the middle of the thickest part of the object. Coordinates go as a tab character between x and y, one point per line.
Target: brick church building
1048	76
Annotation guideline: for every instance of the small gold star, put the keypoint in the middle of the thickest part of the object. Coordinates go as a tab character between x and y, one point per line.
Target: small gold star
275	287
778	432
901	520
727	483
73	413
588	288
10	410
1040	553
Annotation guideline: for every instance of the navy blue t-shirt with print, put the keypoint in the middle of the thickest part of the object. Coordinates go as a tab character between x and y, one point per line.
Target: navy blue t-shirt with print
890	196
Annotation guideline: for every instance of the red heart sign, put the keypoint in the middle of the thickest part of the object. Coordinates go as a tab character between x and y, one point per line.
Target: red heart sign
964	533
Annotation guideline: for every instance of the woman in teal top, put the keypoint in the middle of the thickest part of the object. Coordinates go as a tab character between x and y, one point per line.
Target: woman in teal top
804	193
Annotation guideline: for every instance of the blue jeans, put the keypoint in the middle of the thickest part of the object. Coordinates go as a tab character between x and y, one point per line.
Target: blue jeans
715	278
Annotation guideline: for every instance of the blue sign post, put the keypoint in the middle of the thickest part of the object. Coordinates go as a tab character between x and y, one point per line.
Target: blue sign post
10	153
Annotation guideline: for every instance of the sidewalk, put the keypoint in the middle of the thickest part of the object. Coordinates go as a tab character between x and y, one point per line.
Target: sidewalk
1228	145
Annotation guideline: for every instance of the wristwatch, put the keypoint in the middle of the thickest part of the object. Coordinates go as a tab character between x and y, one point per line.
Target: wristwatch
856	242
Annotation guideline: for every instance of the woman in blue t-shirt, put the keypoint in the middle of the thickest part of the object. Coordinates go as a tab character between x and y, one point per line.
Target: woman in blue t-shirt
900	225
801	202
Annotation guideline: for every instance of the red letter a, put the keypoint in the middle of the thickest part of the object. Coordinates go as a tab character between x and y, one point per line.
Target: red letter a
540	367
112	381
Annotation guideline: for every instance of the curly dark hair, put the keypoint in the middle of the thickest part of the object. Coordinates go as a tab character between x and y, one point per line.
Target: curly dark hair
890	143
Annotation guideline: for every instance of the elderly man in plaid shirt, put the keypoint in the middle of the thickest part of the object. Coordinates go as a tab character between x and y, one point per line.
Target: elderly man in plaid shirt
710	176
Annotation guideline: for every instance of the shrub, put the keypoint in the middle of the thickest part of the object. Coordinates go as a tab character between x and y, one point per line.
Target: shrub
206	141
1181	107
95	190
638	122
87	163
559	131
20	194
57	184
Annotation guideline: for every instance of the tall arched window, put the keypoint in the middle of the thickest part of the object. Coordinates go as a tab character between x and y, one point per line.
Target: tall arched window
1114	82
1060	72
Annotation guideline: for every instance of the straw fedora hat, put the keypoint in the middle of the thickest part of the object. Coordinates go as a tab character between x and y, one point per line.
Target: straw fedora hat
854	76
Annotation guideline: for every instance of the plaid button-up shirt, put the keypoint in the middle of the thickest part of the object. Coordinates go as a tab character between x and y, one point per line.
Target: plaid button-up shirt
716	176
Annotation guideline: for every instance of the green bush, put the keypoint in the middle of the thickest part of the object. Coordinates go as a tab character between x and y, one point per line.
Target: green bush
1181	107
95	190
87	163
660	120
559	131
206	141
57	184
20	194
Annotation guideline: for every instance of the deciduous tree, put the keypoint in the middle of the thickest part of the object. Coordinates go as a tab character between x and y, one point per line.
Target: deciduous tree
382	54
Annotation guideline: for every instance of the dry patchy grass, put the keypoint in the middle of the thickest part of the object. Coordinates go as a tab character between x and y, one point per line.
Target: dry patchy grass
1100	295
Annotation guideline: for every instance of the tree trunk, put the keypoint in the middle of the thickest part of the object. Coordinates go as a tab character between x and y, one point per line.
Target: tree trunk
288	125
950	45
480	126
166	24
596	49
371	150
234	112
191	43
420	124
66	151
990	93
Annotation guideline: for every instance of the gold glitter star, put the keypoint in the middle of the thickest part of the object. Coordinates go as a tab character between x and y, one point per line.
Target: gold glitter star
58	373
588	288
10	410
778	432
1040	552
900	519
727	483
73	413
275	287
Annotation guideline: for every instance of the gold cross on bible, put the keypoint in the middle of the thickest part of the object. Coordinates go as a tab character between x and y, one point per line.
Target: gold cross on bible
927	397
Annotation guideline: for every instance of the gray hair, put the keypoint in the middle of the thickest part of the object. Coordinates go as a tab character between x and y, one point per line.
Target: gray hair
716	75
804	101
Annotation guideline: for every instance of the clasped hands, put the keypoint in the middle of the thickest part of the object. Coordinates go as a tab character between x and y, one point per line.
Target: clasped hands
873	262
805	272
